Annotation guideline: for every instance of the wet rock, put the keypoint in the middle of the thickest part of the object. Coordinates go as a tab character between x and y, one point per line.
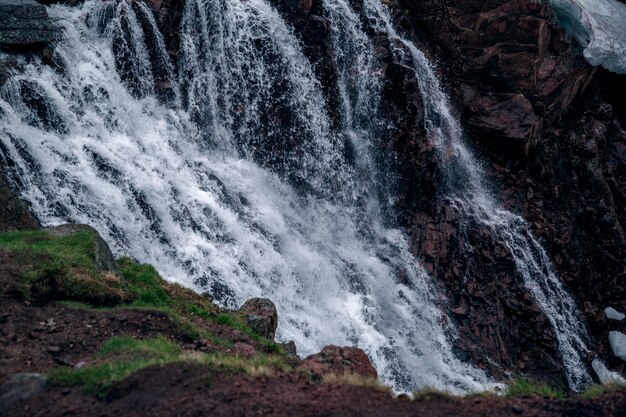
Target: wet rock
613	314
72	3
24	23
104	259
261	316
14	213
507	121
290	348
339	360
21	387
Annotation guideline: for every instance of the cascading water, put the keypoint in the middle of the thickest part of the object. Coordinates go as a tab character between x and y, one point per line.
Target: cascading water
197	188
471	197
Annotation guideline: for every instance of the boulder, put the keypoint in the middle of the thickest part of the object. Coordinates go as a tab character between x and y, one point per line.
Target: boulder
21	387
261	316
339	360
104	259
24	23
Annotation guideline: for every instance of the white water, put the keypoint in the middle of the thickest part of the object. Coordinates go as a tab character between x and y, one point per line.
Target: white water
191	188
471	197
599	26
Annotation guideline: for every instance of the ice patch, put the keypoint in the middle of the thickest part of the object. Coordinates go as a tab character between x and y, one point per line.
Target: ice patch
599	26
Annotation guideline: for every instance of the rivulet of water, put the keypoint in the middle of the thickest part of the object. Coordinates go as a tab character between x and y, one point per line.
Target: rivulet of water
470	195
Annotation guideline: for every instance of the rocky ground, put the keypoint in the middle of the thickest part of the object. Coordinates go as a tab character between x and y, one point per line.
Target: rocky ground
145	347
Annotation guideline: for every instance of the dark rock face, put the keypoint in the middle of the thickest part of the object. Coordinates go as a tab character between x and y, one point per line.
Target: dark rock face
545	121
24	23
339	360
104	259
261	316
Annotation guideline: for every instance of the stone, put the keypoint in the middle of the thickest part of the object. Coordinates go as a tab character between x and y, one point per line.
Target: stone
24	23
21	387
339	360
618	344
261	315
290	348
613	314
53	350
104	259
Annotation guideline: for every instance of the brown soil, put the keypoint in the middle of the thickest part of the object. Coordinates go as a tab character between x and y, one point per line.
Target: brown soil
194	390
37	338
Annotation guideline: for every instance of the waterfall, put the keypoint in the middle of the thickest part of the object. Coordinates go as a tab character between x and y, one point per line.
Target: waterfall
240	183
470	196
196	185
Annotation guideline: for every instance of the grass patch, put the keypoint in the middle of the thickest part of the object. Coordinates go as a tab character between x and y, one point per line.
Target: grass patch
524	386
595	391
131	356
62	268
123	356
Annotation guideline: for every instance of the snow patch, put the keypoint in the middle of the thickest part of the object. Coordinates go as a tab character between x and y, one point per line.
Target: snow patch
618	344
613	314
605	376
599	26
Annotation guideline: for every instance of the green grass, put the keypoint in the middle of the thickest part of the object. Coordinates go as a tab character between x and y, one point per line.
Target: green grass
524	386
428	394
595	391
62	268
123	356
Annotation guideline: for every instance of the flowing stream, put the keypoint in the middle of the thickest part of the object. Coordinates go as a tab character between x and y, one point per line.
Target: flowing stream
239	182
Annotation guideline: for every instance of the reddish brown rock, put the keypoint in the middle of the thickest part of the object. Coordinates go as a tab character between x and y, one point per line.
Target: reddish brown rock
339	360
